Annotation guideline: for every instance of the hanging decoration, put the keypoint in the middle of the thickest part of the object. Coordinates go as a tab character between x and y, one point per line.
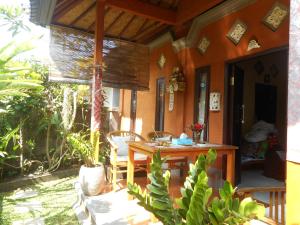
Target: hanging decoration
161	61
237	31
253	44
203	45
276	16
176	83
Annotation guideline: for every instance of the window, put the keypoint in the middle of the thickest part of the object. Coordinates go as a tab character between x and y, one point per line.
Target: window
202	99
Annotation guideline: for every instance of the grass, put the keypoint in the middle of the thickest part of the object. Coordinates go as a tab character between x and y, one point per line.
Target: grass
57	198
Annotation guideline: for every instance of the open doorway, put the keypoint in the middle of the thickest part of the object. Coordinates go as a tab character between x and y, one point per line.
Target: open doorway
257	117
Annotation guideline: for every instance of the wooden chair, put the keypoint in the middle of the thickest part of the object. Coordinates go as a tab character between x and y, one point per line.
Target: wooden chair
275	205
173	162
119	154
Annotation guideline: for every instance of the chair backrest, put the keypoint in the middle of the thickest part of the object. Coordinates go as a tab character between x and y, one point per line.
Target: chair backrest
118	140
275	197
159	135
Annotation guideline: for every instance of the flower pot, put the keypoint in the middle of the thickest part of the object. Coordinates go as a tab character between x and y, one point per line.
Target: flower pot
92	179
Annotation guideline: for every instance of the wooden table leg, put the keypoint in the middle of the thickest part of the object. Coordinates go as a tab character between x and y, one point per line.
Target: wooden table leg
230	167
130	169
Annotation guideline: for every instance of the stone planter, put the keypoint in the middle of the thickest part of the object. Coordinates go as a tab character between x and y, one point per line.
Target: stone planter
92	179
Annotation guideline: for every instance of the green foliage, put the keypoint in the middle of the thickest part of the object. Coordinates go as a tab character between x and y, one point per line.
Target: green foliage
195	207
158	200
79	143
13	17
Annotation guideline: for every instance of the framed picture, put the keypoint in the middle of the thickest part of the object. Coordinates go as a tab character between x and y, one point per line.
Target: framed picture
161	61
203	45
276	16
237	31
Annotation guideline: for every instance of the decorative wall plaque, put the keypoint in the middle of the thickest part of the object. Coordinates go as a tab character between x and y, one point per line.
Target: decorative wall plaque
161	61
275	16
237	31
203	45
253	44
215	101
171	102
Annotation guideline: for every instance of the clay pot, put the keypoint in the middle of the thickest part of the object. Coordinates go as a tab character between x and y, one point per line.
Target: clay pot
92	179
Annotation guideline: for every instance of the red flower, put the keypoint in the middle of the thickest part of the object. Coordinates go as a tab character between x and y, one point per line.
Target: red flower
197	127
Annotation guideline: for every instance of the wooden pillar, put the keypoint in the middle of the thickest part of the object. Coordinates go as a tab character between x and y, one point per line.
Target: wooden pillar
97	100
293	143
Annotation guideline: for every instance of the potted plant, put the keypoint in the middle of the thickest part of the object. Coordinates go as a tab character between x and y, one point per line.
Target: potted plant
196	205
91	174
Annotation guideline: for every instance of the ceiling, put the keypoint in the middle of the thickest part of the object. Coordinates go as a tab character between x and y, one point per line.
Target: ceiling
121	20
132	20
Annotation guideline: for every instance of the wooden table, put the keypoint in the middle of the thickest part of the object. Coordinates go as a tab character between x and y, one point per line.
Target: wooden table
188	151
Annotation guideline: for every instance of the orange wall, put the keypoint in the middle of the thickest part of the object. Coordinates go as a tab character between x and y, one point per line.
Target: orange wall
146	99
220	51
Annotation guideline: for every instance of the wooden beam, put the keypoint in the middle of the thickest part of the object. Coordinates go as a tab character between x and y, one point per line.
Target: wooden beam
148	36
141	27
64	8
89	29
114	22
83	14
97	100
146	29
127	25
188	9
146	10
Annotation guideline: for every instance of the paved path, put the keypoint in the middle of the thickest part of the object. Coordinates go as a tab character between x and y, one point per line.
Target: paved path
28	206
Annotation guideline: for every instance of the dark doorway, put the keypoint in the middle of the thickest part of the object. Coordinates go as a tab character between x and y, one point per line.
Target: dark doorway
160	104
256	112
265	102
236	113
202	99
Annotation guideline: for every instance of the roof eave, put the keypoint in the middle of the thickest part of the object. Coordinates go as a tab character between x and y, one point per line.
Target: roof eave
41	11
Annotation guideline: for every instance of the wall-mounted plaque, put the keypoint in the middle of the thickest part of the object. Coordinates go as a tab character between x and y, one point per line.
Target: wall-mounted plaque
203	45
237	31
275	16
161	61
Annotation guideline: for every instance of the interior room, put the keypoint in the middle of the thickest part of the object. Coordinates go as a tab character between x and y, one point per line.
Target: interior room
264	119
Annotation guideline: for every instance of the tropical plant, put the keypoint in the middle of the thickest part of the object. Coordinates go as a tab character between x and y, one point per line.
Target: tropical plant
14	79
79	143
14	18
196	206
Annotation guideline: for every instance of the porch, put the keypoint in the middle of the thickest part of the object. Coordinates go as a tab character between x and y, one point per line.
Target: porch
182	63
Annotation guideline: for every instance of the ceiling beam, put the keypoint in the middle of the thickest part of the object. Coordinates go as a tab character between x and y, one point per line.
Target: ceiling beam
113	22
83	14
126	26
145	10
188	9
65	7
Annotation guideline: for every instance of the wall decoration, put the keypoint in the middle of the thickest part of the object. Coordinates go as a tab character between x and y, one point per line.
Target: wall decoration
273	70
253	44
215	101
275	16
267	78
161	61
177	81
259	67
171	102
237	31
203	45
